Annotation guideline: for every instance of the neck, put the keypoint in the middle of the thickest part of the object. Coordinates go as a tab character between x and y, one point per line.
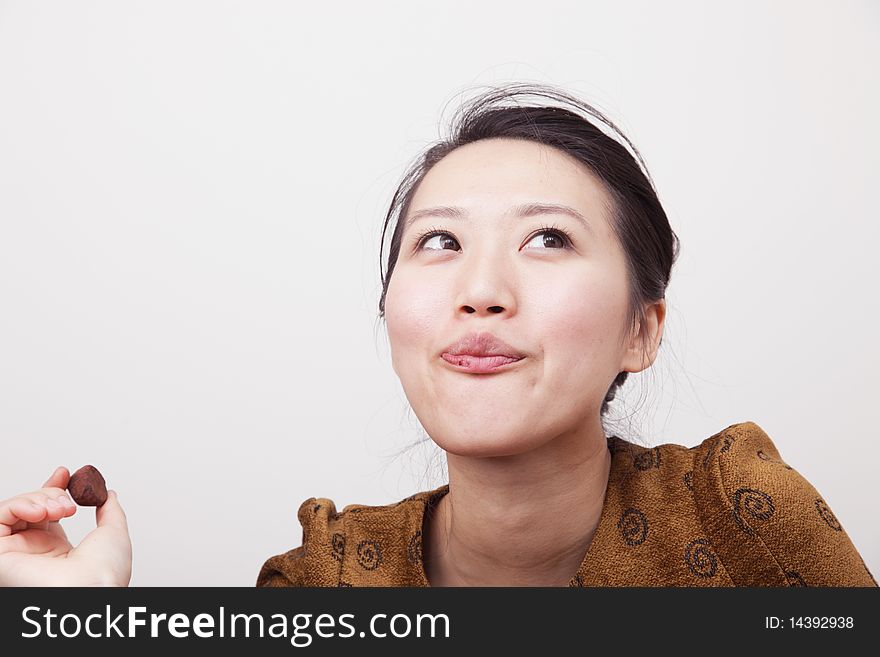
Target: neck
521	520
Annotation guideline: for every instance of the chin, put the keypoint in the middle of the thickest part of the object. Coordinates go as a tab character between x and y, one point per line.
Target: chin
481	444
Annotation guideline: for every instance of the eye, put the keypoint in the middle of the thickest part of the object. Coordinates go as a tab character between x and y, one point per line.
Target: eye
424	238
554	238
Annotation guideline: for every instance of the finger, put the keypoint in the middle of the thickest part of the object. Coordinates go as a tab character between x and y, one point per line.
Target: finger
61	507
57	505
110	514
50	496
53	491
34	542
34	509
38	498
58	508
58	479
56	529
14	543
20	508
53	528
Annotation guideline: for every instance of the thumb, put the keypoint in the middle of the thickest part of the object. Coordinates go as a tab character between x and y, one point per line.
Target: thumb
110	514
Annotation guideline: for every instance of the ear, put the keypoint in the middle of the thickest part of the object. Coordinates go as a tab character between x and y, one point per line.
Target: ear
645	341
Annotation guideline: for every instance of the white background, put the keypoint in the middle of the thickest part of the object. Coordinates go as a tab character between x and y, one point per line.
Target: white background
191	198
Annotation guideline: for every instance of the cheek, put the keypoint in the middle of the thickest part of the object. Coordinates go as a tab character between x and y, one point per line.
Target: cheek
580	316
412	312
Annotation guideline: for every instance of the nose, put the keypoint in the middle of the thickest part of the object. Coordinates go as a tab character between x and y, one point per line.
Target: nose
485	287
490	309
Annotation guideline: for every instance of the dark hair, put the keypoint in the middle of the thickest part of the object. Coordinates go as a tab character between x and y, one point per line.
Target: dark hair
522	111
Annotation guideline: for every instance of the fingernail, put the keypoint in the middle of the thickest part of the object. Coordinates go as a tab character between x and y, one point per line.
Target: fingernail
52	503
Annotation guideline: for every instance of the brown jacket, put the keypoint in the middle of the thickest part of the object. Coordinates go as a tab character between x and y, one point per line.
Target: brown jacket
726	512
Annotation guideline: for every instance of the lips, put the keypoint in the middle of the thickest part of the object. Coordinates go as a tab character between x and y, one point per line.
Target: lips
478	364
481	353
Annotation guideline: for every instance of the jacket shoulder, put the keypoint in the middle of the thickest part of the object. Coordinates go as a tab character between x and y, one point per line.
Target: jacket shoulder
362	545
316	561
768	523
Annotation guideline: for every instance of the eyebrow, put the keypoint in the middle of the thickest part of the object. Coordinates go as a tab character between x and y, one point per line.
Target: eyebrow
522	211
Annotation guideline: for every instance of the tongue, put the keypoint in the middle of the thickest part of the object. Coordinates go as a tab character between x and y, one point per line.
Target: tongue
481	362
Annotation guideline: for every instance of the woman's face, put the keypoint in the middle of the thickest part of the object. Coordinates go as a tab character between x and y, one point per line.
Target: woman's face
564	307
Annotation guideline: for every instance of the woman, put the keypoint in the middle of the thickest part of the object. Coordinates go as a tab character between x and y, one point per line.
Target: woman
526	278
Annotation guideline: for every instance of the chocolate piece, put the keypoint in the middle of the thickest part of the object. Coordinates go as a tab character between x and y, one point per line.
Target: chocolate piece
87	487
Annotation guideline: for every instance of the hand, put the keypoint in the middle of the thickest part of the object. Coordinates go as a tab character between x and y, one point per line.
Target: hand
34	550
